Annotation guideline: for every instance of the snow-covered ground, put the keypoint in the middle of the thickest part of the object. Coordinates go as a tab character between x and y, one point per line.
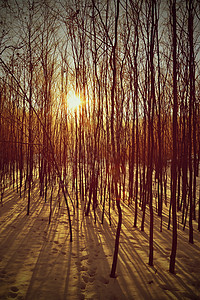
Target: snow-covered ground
37	260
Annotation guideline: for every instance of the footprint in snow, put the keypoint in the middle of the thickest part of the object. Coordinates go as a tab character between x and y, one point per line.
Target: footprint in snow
84	268
84	257
14	289
85	278
78	264
54	249
103	279
82	285
92	271
91	279
13	292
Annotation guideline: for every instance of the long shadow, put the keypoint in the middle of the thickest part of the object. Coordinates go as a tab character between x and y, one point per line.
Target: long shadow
53	269
99	241
170	284
15	231
81	269
131	265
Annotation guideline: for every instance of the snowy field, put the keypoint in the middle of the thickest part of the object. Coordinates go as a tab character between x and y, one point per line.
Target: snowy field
38	262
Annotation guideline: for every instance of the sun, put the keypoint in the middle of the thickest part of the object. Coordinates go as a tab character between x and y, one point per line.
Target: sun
73	101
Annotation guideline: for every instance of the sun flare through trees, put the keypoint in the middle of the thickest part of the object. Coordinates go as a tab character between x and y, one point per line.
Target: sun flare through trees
73	101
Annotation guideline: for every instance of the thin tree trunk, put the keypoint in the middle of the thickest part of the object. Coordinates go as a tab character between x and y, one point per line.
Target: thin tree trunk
115	165
174	159
191	105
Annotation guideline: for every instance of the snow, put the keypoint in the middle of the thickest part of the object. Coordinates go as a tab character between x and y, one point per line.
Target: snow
37	260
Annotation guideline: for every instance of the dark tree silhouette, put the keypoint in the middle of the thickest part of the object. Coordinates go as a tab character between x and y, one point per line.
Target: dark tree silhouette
174	158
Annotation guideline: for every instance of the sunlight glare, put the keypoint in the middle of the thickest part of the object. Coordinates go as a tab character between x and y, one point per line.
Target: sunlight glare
73	101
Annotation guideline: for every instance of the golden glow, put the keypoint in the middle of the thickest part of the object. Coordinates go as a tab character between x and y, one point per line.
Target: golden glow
73	101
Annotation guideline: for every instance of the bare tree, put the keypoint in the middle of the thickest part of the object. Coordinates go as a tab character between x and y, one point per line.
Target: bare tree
174	159
115	164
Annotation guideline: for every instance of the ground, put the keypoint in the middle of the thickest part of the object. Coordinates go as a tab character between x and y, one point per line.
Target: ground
37	260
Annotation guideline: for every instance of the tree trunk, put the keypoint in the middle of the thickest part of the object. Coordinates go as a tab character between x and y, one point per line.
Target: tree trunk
191	110
174	159
115	164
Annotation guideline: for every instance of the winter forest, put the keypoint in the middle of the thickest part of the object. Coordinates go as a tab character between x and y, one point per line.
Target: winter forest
99	149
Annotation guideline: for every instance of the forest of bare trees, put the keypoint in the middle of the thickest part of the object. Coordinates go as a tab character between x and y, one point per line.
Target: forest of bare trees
135	138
